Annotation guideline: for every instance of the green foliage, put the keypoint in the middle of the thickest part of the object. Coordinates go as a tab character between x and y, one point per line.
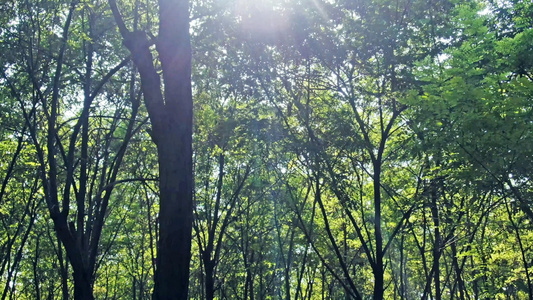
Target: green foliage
326	134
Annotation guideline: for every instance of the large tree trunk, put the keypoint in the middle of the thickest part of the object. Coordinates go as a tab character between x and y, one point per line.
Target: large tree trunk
209	280
174	145
175	216
82	286
170	112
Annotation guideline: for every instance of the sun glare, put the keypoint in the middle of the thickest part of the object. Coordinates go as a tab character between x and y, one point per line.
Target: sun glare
263	17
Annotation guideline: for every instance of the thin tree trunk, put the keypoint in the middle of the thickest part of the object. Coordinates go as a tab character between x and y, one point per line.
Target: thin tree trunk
37	281
437	243
522	251
458	272
288	268
403	277
378	266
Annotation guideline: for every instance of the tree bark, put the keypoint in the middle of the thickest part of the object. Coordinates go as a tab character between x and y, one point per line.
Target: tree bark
437	243
171	113
175	216
82	286
209	281
378	267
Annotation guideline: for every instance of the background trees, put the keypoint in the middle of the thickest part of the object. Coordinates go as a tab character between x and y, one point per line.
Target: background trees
342	149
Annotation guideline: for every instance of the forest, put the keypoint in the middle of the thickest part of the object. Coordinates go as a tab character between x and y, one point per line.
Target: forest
273	149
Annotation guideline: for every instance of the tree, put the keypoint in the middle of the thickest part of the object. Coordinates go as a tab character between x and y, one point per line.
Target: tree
76	189
346	88
170	108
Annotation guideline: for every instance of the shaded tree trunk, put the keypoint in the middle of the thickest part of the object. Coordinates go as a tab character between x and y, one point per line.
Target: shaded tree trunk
209	280
437	243
458	272
171	113
378	267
